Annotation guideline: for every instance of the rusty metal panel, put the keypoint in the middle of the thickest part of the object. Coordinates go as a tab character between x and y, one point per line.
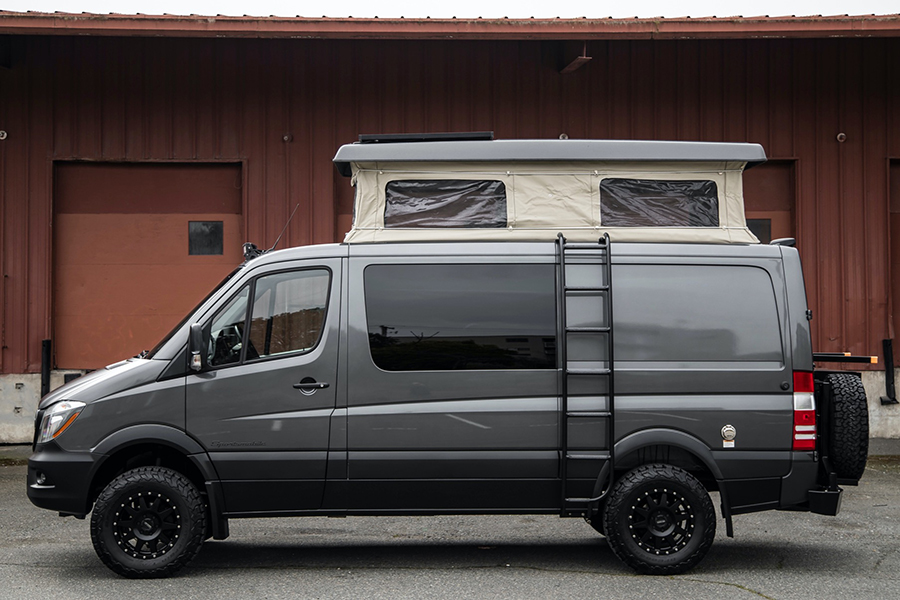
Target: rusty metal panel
16	155
123	273
877	257
281	107
853	200
894	269
173	26
806	214
758	86
891	78
712	100
5	192
827	163
37	315
781	99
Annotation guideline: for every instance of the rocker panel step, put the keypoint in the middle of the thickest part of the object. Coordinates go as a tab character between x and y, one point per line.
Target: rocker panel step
604	456
588	371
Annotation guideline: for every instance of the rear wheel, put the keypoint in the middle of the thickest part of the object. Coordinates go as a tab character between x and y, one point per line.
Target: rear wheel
659	520
848	440
148	522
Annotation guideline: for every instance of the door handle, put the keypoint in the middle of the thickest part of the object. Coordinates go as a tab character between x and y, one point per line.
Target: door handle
310	386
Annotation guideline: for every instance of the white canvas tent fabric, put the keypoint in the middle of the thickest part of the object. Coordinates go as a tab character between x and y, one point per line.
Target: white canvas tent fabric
546	198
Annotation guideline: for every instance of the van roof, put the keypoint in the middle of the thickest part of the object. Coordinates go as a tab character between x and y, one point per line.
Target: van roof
426	150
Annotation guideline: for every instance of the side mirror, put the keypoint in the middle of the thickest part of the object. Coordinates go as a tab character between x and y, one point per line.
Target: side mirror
195	346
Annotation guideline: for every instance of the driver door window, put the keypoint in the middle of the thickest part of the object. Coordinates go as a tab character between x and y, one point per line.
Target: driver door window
227	331
287	317
288	313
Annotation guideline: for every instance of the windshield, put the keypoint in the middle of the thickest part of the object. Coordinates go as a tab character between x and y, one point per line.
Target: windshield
169	335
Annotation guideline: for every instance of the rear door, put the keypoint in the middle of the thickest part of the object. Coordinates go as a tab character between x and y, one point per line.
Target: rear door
262	406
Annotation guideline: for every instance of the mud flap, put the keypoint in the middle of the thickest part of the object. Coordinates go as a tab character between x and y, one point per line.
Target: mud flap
726	509
825	502
217	522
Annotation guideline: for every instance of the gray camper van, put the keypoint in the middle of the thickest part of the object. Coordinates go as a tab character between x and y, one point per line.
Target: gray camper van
581	328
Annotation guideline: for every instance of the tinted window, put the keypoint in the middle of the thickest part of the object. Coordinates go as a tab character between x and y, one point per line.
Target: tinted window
461	317
227	331
657	203
445	203
205	237
288	312
677	313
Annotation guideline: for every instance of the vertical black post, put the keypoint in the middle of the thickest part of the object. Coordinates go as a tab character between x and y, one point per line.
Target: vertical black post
45	367
891	398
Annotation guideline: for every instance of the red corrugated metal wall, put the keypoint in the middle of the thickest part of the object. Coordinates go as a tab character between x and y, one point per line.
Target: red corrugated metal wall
121	99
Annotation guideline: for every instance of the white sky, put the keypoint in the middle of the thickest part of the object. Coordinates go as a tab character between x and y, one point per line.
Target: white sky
464	8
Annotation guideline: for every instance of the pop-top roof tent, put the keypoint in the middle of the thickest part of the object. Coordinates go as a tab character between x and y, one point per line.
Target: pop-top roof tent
473	188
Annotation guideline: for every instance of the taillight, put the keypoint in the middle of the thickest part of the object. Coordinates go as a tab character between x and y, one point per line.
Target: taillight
804	411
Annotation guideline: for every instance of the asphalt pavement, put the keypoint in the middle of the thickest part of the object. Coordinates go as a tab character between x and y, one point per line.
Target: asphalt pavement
780	555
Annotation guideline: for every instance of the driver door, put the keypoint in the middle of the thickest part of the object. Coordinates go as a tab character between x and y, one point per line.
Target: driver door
263	402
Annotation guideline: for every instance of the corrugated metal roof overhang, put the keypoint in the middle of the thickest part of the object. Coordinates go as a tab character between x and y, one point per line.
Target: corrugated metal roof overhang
513	29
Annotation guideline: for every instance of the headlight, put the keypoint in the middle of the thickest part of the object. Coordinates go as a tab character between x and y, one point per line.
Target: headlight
58	418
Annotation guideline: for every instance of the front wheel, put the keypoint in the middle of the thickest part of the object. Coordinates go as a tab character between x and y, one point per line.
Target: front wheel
659	520
148	522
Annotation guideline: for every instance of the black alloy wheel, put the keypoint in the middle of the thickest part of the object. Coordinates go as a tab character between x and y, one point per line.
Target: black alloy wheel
147	525
148	522
659	520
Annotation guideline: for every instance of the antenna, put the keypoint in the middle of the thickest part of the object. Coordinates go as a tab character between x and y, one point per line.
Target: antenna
285	228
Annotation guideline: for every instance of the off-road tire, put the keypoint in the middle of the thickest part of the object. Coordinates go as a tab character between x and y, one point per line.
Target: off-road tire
149	522
848	441
659	520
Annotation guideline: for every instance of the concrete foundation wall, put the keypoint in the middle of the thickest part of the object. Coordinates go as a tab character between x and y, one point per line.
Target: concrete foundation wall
19	396
884	419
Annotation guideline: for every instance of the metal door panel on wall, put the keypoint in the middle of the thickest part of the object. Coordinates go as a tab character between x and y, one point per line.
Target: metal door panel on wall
136	245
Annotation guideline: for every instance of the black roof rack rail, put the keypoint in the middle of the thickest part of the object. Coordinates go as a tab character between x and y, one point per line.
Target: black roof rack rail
392	138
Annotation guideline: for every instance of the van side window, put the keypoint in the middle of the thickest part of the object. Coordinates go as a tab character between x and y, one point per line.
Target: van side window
658	203
676	314
288	312
227	331
441	317
445	203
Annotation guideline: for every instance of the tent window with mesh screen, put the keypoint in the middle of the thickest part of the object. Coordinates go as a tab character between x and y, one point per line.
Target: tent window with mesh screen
658	203
445	203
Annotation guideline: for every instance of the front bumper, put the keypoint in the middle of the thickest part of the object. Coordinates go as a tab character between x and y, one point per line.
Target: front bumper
68	477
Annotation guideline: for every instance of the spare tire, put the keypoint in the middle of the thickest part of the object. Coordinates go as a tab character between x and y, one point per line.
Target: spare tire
848	441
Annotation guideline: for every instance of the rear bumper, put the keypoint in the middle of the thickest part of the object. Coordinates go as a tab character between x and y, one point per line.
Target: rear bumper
825	502
68	477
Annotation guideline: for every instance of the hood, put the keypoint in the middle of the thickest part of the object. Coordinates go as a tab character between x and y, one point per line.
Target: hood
109	380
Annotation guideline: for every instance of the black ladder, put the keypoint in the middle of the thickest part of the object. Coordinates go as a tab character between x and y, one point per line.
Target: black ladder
585	334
